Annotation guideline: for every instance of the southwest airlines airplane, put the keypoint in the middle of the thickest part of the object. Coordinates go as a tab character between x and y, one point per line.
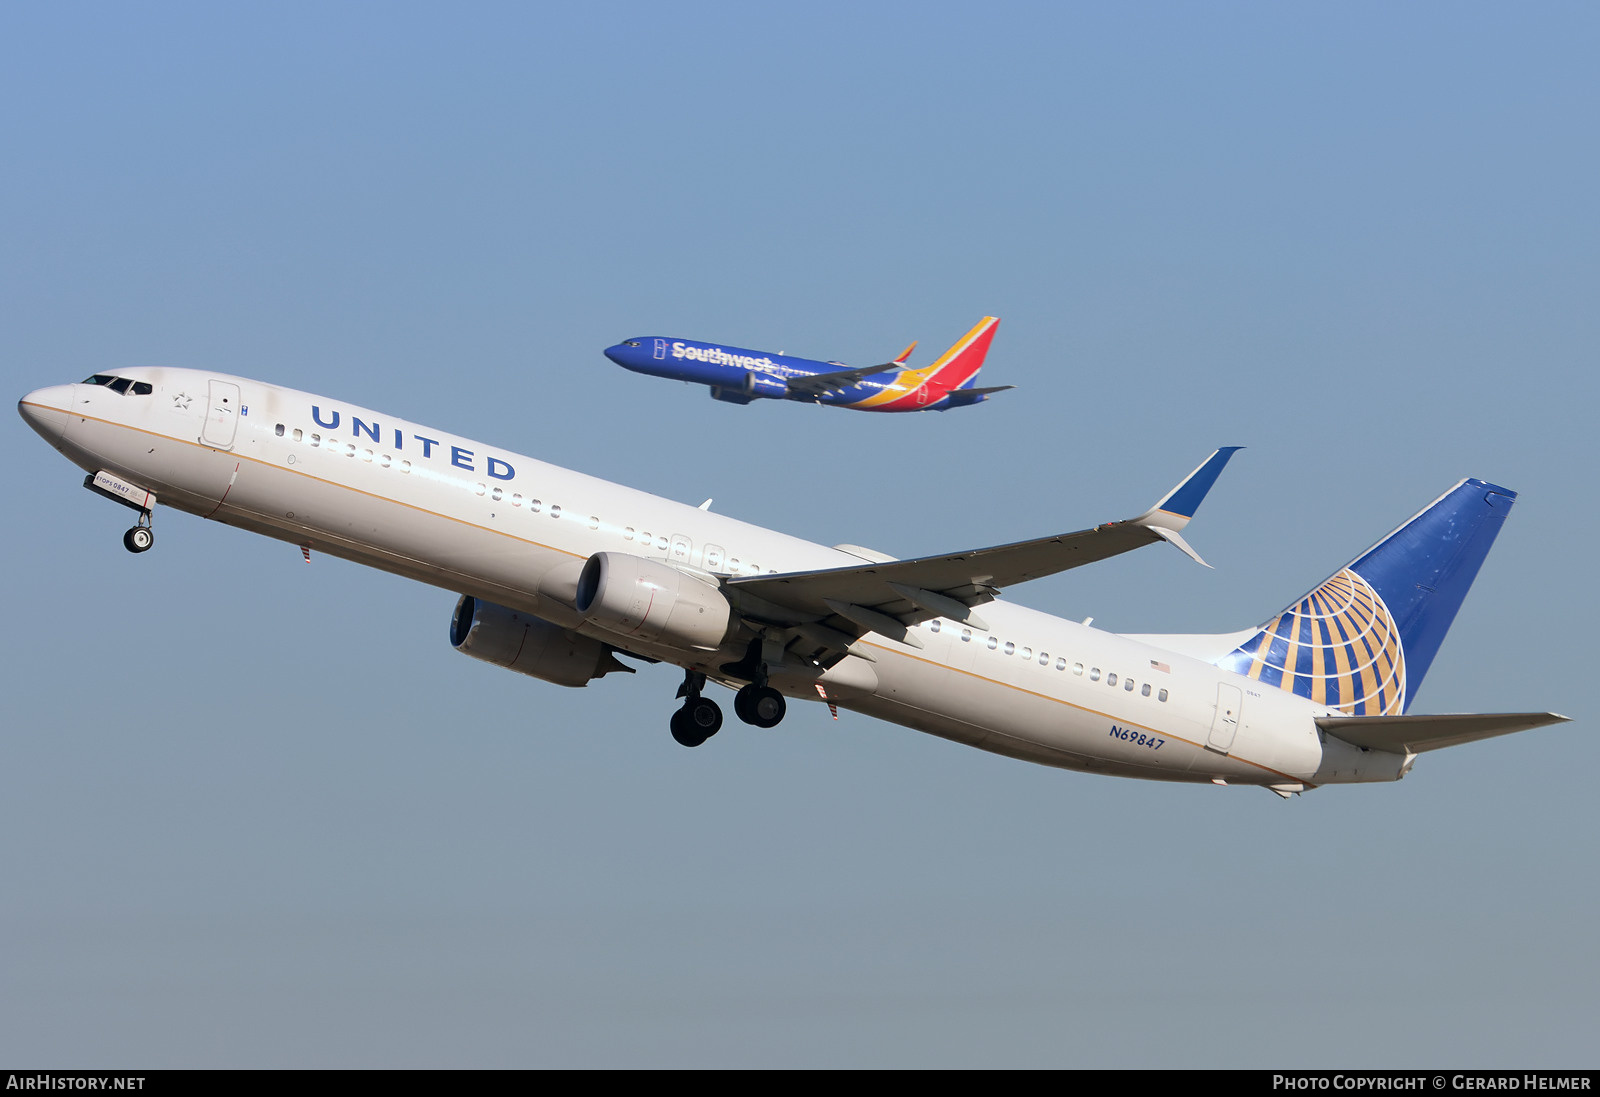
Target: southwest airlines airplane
560	572
740	376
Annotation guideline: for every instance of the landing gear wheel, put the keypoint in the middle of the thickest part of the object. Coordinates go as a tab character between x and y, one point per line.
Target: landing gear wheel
762	706
682	732
138	539
698	720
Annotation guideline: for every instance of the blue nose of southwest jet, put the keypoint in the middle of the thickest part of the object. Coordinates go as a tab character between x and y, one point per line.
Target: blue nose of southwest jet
627	353
46	410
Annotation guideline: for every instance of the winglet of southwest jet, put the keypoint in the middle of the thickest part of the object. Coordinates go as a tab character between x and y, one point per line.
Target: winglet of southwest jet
1177	507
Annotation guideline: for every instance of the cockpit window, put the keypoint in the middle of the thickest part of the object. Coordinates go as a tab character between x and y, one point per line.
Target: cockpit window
121	385
630	342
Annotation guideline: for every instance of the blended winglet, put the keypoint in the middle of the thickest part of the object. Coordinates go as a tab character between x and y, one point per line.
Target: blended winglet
901	358
1177	507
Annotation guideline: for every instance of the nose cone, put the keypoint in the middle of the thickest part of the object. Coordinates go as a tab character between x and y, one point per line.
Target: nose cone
627	354
46	410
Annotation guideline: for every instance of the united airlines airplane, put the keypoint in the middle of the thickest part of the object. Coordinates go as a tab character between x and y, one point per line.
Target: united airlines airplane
559	573
739	376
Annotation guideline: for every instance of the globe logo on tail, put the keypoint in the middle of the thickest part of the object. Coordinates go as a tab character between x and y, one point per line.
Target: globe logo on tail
1338	646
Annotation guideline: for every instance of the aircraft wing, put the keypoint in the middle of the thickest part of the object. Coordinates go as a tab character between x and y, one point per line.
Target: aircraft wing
1415	734
834	607
820	384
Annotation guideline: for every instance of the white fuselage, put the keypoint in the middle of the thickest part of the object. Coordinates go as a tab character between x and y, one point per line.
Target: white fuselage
483	521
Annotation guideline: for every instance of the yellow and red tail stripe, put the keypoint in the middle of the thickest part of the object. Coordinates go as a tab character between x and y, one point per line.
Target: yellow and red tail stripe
917	388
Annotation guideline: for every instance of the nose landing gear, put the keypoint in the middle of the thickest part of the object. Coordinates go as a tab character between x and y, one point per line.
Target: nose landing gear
140	537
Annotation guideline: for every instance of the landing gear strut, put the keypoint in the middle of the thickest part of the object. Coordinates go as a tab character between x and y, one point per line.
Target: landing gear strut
140	537
699	718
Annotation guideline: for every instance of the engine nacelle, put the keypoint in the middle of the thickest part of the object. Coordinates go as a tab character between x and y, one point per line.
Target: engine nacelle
645	600
764	385
753	386
527	644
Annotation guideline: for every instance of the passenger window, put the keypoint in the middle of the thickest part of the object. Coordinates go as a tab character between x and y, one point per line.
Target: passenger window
1077	668
385	460
533	505
316	440
405	466
1094	674
497	495
555	510
516	498
278	430
1144	690
1127	684
966	635
479	489
1162	696
627	534
299	435
993	643
1044	658
366	455
1011	649
594	522
1111	679
1061	664
933	625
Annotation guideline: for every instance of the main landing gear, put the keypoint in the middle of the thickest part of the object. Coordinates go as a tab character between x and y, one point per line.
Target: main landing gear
140	537
762	706
699	718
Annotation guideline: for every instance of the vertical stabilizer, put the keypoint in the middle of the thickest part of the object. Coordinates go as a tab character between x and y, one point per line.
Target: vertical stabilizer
960	364
1362	642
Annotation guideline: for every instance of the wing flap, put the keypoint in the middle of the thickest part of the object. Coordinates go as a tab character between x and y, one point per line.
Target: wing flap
889	597
820	384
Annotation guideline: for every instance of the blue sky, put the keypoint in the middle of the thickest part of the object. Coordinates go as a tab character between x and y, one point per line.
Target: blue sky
258	814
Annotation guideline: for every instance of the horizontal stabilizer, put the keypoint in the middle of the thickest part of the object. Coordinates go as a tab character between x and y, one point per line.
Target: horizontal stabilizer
1415	734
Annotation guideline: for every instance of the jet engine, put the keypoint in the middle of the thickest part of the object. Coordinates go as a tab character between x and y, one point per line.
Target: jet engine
752	387
528	645
649	601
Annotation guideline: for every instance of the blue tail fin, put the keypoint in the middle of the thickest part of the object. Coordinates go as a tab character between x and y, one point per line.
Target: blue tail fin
1362	641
